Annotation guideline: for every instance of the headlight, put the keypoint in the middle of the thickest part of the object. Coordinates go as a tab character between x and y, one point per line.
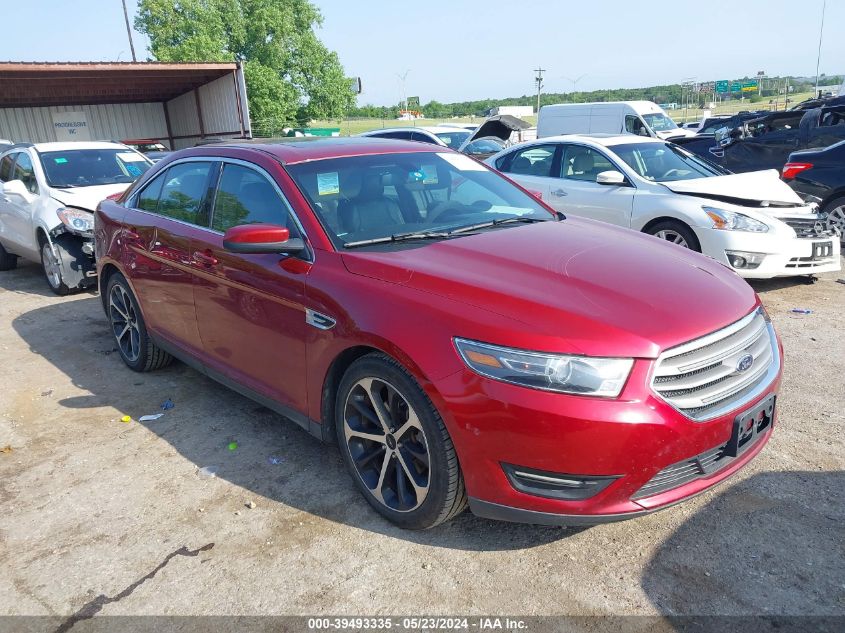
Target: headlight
77	220
731	221
582	375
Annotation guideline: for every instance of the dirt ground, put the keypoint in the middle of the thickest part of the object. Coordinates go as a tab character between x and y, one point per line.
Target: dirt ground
103	517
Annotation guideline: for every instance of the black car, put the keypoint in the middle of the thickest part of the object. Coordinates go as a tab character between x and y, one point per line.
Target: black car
765	142
819	176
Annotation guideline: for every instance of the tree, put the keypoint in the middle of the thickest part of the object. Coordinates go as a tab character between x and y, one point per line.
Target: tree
291	76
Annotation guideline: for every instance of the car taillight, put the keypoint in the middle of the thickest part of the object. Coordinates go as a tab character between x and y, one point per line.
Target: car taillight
790	170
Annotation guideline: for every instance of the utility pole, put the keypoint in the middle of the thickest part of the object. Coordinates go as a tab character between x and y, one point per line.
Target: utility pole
129	31
539	81
402	78
819	57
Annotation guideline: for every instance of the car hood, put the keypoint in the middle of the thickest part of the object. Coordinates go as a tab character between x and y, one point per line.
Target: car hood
500	126
755	186
87	197
574	286
676	133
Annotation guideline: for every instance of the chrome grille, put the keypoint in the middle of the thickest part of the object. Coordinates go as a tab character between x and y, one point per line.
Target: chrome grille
804	226
701	379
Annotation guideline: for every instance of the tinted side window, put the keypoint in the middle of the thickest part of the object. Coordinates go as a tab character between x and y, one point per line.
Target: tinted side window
148	198
533	161
6	167
184	192
23	171
246	197
400	135
583	163
634	125
422	138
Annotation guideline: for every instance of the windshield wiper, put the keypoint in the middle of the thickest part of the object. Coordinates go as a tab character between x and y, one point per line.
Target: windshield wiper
400	237
440	235
484	225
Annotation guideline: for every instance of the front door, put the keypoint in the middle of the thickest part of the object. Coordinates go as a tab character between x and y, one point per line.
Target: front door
16	209
158	227
576	191
251	308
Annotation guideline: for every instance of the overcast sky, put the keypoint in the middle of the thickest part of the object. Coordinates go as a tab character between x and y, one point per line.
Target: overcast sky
456	51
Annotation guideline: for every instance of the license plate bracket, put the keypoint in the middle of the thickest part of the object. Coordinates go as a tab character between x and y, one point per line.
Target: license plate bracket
822	250
750	425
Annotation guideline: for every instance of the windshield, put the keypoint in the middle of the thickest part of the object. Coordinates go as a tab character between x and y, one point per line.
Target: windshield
453	139
369	197
659	122
91	167
663	162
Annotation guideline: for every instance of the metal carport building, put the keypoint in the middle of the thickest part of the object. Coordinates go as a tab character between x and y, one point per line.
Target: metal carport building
179	104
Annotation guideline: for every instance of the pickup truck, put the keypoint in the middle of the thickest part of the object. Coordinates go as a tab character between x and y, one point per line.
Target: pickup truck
767	141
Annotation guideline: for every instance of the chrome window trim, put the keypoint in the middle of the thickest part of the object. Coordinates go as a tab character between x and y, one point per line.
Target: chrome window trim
222	160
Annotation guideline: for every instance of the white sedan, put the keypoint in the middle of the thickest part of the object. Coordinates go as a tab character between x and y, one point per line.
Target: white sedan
752	222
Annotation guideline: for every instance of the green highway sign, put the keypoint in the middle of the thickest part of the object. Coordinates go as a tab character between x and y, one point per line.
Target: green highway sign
722	86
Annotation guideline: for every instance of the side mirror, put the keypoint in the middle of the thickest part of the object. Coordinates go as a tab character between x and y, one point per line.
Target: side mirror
16	188
261	238
611	177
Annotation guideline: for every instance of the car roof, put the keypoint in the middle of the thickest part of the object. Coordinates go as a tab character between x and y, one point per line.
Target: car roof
433	129
72	145
605	140
300	150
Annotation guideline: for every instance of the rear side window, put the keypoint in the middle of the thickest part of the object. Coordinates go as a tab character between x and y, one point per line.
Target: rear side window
6	167
183	193
532	161
405	136
24	172
246	197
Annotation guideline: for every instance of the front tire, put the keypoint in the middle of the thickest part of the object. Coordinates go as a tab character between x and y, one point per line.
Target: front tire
395	445
835	210
134	344
65	265
676	233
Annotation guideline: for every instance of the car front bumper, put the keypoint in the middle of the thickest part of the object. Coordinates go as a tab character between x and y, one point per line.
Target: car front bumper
785	255
632	439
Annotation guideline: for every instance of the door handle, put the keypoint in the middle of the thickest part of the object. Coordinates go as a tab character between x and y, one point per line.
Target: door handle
559	193
204	259
5	198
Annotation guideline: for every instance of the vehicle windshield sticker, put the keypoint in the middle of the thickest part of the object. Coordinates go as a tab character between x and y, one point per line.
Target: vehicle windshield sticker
461	162
429	173
60	161
328	184
133	170
131	157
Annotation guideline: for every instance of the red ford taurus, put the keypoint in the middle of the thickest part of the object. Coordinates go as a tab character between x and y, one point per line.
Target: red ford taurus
459	341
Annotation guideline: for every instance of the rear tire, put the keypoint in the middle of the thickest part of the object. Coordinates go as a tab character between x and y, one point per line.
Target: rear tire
395	445
134	344
676	233
7	260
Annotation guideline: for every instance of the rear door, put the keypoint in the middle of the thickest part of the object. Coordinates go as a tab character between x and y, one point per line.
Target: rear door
251	308
532	167
576	191
159	224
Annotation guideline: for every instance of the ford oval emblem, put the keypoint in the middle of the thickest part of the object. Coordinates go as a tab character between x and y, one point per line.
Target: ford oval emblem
744	363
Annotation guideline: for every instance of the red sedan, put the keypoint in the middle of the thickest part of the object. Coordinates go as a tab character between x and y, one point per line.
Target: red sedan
459	341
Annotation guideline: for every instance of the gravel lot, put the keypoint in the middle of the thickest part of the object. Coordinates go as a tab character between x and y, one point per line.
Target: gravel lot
101	516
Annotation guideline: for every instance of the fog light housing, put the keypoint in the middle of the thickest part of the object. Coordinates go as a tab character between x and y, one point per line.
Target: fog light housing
745	261
556	485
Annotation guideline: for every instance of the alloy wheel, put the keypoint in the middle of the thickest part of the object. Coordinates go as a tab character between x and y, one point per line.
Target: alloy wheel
672	236
52	266
387	444
124	321
836	218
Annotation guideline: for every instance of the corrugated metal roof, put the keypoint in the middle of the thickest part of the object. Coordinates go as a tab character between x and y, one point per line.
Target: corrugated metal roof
85	83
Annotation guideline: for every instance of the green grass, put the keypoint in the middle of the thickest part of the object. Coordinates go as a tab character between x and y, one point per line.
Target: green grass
356	126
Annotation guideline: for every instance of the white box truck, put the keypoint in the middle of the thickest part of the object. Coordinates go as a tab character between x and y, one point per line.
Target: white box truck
612	117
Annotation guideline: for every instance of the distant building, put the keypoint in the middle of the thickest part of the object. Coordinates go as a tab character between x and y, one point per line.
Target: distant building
517	111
